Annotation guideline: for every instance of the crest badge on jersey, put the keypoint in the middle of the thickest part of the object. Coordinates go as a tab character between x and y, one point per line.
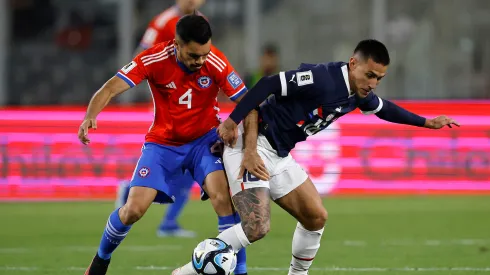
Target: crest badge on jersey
234	80
204	81
144	172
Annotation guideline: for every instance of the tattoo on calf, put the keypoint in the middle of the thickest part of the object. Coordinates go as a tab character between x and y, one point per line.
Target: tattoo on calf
253	206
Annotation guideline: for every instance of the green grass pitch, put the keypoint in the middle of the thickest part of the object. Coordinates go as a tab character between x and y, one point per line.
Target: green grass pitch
365	235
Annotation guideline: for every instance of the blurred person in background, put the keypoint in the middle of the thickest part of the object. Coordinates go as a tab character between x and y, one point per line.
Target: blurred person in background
269	65
161	29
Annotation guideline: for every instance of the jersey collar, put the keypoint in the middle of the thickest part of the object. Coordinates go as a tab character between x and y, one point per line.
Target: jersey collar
181	65
345	73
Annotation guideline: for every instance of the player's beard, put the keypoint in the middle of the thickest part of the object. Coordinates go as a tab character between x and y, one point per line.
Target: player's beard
195	67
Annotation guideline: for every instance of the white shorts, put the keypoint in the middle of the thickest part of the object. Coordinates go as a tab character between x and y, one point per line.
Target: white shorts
285	173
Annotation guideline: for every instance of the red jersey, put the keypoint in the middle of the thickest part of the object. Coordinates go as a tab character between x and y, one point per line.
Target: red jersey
162	27
185	103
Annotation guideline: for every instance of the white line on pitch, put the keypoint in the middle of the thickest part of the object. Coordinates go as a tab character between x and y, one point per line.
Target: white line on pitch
130	248
151	248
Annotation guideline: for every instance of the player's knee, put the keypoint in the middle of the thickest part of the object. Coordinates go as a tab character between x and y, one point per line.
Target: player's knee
256	231
221	202
323	217
131	213
317	220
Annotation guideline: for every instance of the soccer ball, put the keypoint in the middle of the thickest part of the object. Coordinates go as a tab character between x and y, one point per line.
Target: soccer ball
214	257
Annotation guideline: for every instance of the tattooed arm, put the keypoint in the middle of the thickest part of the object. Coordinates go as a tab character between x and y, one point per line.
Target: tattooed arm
251	131
251	160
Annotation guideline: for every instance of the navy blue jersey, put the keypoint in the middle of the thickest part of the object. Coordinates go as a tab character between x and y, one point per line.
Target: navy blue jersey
310	99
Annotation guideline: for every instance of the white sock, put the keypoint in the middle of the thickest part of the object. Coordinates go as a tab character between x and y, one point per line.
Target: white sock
305	245
235	237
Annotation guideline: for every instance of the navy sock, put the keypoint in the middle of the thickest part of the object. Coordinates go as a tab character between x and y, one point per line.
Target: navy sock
225	223
115	231
126	193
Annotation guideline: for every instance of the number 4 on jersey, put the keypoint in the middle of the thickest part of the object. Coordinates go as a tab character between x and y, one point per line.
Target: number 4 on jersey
186	99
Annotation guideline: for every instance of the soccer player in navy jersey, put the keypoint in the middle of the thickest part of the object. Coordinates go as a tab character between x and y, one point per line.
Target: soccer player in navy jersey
291	106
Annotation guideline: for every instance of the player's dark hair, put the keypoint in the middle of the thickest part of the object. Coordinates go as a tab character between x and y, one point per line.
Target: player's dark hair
195	28
270	49
375	50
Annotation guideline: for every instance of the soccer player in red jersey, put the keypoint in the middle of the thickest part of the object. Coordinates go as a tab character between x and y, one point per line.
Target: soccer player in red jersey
162	29
184	76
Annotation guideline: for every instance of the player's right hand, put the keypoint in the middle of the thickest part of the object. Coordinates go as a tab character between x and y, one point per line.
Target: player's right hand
83	130
228	132
253	163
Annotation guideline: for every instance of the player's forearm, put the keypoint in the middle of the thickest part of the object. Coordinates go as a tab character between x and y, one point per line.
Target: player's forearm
103	96
263	89
396	114
251	131
98	102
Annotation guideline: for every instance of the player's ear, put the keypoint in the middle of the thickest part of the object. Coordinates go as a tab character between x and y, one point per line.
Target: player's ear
353	62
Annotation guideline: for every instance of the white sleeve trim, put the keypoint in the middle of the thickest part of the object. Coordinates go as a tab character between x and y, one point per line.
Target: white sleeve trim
284	85
380	106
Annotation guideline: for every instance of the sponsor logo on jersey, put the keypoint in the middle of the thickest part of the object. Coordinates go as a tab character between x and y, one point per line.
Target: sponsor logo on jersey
171	85
304	78
204	81
234	80
126	69
144	172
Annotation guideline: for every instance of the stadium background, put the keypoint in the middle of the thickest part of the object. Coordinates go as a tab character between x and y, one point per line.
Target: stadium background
382	182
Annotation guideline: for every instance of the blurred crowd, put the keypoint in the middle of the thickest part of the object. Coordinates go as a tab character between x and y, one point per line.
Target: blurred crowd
61	51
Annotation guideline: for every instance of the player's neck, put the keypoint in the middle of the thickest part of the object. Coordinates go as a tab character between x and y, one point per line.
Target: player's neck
182	66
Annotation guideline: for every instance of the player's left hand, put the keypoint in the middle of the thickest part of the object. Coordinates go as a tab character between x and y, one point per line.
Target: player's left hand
228	132
439	122
253	163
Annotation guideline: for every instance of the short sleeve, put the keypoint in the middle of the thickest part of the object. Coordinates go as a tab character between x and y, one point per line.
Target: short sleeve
371	104
134	72
227	78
